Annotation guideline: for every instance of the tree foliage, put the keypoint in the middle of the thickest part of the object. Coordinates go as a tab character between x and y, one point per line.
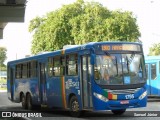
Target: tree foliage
3	55
79	23
155	49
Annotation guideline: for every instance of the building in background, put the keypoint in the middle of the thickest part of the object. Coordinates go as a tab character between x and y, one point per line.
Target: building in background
11	11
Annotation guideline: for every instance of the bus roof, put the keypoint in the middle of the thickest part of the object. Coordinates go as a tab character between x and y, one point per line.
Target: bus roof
67	50
152	57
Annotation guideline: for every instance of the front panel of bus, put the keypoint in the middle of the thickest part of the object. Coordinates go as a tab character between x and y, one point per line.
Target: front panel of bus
119	77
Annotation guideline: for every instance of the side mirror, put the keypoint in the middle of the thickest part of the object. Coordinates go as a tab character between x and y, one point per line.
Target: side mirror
92	60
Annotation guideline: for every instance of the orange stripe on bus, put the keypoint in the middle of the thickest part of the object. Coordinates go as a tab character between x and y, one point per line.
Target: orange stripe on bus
62	52
63	93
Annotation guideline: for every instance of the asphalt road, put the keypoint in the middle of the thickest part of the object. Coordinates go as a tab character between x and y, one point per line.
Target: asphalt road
6	104
152	109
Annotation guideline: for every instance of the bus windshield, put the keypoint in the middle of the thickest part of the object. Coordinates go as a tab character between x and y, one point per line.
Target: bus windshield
119	69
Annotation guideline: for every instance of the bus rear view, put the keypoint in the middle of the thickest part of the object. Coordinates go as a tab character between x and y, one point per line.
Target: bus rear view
119	77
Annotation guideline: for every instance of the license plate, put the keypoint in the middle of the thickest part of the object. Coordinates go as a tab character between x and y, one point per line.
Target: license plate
124	102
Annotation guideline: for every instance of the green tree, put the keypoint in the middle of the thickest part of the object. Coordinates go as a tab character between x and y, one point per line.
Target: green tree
3	55
79	23
155	49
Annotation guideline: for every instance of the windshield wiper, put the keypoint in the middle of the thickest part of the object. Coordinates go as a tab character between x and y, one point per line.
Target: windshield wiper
128	62
131	58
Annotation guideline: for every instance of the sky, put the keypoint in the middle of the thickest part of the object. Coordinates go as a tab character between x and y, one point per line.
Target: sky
17	39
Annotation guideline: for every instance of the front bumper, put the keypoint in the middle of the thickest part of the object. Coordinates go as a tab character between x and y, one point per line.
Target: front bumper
119	104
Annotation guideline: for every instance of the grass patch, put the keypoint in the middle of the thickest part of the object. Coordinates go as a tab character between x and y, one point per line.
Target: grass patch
3	88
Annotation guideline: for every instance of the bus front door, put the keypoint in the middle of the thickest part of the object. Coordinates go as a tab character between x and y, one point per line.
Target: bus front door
86	81
152	81
42	83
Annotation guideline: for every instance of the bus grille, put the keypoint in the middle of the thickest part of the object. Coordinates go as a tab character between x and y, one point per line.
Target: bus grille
124	91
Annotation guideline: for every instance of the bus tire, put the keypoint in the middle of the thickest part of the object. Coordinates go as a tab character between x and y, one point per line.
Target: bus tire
29	102
74	107
118	112
24	104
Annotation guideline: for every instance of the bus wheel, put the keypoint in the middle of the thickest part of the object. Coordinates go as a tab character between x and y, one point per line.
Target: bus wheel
24	104
74	107
118	112
29	102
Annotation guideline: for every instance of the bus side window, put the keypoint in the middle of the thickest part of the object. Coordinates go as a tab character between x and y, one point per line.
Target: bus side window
72	64
33	68
18	71
146	71
56	66
28	69
62	66
24	70
50	66
153	71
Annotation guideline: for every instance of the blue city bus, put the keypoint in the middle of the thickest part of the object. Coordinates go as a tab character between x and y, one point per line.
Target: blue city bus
95	76
153	75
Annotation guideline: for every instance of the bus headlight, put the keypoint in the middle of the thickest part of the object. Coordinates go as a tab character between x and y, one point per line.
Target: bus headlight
101	97
143	95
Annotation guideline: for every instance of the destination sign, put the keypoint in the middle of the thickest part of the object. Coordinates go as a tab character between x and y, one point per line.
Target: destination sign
121	47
